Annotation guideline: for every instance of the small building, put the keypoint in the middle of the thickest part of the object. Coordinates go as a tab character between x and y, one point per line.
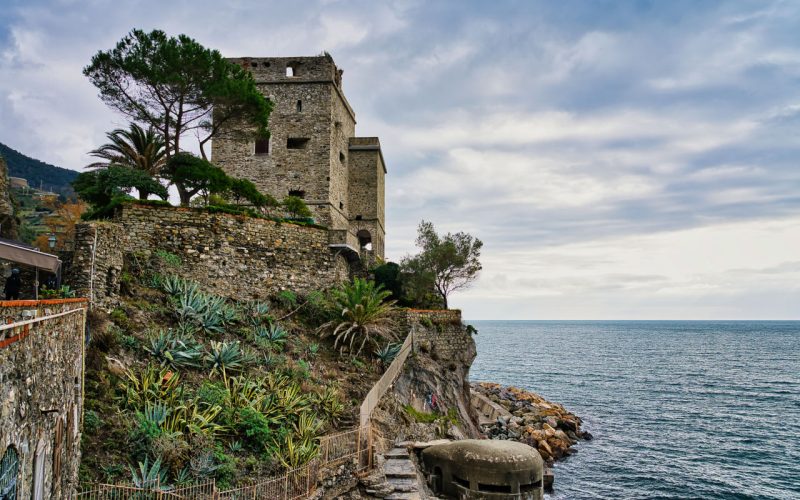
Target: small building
485	469
18	183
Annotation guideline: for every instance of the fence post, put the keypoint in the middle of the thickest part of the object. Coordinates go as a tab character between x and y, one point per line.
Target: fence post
286	486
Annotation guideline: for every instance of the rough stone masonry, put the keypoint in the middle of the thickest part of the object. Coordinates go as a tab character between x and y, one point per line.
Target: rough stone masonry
312	151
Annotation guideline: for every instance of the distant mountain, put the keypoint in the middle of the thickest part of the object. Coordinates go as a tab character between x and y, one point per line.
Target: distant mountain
50	177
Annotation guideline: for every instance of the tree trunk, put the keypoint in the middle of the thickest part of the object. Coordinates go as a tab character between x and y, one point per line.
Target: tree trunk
185	196
143	194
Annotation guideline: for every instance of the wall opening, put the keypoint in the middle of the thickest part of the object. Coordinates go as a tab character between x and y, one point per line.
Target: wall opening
299	106
341	206
290	71
364	239
297	142
437	479
297	192
9	467
255	64
494	488
341	157
359	217
461	482
262	146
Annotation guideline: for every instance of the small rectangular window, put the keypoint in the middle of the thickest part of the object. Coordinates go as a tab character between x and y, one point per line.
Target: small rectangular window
289	71
299	106
297	192
341	157
262	146
297	143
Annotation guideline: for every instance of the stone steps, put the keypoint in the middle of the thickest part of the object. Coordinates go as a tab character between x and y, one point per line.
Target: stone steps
401	475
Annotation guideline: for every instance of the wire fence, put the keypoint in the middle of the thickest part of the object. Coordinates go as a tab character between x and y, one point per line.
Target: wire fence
353	446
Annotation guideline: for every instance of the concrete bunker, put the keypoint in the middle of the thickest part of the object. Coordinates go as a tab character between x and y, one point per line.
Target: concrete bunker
485	469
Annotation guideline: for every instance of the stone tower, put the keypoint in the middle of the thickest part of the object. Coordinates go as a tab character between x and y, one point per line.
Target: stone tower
312	152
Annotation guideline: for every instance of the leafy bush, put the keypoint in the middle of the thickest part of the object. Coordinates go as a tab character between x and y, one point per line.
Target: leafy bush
168	258
295	207
293	452
91	422
256	426
212	394
287	299
203	310
364	316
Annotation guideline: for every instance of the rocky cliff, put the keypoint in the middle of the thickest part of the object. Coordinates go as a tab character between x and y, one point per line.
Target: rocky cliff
431	397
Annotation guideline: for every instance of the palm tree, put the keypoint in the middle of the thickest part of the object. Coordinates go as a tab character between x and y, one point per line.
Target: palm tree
135	148
364	315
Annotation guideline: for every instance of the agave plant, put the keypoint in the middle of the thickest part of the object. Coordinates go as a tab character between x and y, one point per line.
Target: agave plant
329	403
364	315
257	313
150	476
293	453
225	356
174	351
244	392
273	337
175	285
151	385
387	353
307	426
204	311
190	419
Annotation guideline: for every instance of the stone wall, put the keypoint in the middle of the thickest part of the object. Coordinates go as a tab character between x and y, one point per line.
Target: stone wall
231	255
41	388
97	262
8	222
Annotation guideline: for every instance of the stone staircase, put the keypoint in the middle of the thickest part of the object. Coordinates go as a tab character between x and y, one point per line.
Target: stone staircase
398	480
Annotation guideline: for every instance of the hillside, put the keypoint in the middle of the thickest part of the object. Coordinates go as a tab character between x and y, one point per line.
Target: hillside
50	177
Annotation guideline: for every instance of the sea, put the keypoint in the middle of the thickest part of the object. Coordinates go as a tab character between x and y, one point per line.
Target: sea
678	409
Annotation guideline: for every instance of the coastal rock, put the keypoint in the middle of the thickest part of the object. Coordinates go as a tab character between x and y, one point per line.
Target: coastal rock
541	424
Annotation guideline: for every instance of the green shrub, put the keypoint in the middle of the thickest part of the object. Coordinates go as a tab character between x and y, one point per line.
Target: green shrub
212	394
168	258
91	422
253	424
287	299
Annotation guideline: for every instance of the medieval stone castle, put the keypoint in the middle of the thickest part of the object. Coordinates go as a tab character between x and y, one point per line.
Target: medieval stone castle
313	151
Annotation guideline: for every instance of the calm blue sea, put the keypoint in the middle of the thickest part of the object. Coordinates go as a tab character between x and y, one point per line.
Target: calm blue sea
678	409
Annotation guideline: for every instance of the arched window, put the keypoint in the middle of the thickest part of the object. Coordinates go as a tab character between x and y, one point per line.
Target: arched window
9	467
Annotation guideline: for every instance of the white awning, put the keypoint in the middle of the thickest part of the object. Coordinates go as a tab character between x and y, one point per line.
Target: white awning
24	254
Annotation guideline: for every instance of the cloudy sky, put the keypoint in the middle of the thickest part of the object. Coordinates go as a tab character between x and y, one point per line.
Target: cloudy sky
619	159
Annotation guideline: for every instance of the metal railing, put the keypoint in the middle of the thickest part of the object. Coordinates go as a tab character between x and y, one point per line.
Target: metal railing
385	382
354	446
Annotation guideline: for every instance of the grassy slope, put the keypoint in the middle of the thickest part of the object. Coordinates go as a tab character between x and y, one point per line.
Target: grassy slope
113	437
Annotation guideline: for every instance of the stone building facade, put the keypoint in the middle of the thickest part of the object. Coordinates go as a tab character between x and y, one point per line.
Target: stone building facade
312	152
41	397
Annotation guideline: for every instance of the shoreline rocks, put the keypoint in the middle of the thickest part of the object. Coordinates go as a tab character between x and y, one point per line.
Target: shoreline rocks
529	418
